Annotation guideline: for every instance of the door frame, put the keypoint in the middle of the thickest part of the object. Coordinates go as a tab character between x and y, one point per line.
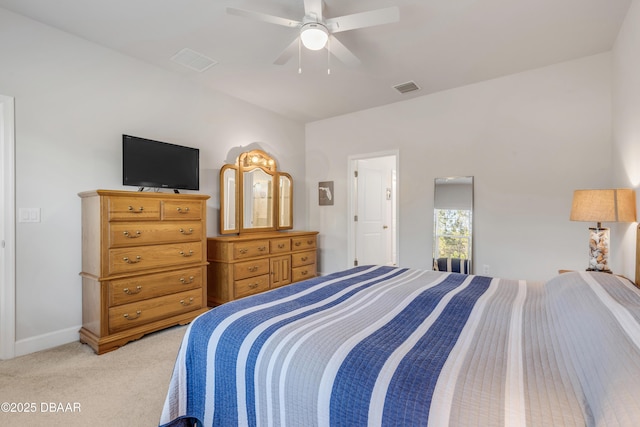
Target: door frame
352	195
7	222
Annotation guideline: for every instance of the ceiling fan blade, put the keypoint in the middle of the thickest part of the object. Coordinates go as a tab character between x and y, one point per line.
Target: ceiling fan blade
264	17
287	53
341	52
313	7
363	19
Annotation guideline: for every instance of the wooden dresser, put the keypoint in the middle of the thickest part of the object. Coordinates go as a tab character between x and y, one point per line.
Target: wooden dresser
250	263
143	264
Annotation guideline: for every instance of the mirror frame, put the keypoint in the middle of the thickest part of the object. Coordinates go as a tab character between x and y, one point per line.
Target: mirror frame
246	162
245	212
462	179
224	205
280	203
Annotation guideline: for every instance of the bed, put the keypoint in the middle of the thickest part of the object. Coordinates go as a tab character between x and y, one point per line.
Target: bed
377	345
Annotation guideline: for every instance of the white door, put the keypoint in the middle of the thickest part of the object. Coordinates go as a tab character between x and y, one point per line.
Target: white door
7	229
374	219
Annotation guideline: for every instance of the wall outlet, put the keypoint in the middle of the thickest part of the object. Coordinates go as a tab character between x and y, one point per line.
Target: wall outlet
485	269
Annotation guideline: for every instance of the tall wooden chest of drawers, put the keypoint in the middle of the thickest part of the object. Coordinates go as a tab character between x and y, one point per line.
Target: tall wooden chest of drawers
143	264
255	262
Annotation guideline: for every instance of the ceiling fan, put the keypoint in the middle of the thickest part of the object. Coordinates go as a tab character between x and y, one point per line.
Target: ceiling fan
316	31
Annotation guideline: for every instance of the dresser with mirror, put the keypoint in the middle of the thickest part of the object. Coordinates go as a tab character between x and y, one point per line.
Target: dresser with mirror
258	249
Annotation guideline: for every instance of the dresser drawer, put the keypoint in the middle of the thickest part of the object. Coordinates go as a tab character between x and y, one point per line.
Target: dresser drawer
245	269
301	243
133	259
181	209
133	208
153	232
303	258
141	312
280	246
253	285
303	273
138	288
250	249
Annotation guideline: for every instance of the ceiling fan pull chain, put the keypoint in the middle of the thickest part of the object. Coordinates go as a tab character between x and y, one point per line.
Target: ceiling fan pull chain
329	56
299	56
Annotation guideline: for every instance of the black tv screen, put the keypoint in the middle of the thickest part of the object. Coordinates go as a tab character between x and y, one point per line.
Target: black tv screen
148	163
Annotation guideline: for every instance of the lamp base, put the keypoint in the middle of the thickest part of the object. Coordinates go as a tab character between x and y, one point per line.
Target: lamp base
599	250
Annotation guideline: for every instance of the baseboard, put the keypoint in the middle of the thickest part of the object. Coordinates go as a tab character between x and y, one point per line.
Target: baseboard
46	341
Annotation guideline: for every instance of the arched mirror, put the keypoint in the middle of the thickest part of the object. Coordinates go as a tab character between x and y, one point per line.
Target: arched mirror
254	196
453	224
257	199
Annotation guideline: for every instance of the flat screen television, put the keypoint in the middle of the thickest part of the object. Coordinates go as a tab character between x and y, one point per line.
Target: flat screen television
148	163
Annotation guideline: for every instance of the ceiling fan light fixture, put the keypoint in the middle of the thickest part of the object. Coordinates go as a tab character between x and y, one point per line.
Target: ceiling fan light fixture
314	36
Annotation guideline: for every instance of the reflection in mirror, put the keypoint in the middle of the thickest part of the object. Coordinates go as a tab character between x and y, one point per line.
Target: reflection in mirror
285	201
228	200
258	199
453	224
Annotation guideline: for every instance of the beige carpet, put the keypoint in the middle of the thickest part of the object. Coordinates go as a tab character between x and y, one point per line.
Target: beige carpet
71	386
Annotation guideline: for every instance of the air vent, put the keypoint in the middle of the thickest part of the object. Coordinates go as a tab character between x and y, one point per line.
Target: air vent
406	87
193	60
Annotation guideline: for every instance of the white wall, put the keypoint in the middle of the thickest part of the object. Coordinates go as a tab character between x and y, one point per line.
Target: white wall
626	127
73	101
529	140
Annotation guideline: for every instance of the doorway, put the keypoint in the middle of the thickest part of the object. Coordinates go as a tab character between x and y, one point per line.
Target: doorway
373	209
7	228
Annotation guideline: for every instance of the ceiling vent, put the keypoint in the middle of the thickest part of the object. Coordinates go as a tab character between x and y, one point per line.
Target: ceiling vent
406	87
193	60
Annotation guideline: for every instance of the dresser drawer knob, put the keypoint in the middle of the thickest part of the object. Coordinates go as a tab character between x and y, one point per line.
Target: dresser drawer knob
132	261
253	268
309	242
133	210
304	273
126	315
187	281
298	243
132	236
183	211
130	292
186	254
254	285
186	303
243	250
186	232
304	258
262	248
281	246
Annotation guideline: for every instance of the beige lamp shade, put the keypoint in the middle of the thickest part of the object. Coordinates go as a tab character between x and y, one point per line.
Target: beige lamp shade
615	205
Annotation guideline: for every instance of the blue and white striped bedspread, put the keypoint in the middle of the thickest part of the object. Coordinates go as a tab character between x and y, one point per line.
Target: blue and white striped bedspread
391	346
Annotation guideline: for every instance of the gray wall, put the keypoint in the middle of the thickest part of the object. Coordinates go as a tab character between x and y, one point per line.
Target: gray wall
528	139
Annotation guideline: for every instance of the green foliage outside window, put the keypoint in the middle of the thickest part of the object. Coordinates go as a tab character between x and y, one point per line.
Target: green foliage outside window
453	233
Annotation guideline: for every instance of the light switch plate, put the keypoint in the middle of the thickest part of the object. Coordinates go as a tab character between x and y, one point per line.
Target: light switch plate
29	215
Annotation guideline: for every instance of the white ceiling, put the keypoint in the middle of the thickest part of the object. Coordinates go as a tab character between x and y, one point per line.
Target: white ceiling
438	44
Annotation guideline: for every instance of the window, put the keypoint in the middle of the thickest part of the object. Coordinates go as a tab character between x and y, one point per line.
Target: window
453	233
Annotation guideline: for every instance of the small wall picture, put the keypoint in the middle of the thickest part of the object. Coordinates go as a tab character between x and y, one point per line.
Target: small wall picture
325	193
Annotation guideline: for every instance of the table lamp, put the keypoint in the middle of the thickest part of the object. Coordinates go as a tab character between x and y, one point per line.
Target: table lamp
614	205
